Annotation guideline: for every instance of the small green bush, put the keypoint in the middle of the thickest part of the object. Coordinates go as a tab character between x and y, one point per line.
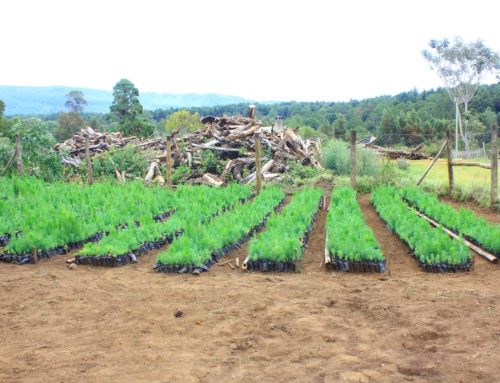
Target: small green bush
180	174
210	163
403	163
337	157
135	163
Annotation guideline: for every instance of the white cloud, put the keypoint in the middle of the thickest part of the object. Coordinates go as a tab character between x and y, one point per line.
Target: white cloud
281	50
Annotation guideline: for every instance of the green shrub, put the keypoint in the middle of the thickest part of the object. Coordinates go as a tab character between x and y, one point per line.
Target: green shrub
134	162
210	163
306	132
337	157
180	174
403	163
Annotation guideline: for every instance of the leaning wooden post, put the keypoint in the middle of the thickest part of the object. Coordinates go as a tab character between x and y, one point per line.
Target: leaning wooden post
353	159
436	157
258	175
19	154
169	162
451	185
494	164
90	173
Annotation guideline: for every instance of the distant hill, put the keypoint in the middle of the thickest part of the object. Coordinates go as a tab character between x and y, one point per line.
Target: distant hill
30	100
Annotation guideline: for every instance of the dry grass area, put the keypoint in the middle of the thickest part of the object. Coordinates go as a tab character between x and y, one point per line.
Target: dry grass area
472	183
118	325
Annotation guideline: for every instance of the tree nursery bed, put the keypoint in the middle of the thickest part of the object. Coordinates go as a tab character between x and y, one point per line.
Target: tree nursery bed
98	324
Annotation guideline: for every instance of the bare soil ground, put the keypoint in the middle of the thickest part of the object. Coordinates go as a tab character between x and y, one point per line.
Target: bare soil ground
118	325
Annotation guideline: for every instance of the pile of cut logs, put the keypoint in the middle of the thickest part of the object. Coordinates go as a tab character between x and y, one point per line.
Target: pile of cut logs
412	154
231	138
99	143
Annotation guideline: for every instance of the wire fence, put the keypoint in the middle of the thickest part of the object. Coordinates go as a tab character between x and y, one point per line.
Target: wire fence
479	144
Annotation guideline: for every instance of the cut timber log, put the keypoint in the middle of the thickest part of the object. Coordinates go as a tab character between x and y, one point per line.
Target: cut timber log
151	172
212	180
469	163
226	170
270	176
75	162
265	169
211	147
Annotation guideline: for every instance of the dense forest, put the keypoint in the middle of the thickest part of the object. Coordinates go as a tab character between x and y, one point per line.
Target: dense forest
426	113
404	119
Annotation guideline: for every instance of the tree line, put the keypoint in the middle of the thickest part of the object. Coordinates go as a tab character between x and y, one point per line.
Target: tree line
404	119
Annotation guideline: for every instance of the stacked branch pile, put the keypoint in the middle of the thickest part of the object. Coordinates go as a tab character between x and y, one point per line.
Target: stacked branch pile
231	138
410	154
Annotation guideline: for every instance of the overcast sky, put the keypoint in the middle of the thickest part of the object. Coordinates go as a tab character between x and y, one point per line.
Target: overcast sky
261	50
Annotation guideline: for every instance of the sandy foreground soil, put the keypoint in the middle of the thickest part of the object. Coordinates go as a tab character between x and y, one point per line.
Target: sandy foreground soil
118	325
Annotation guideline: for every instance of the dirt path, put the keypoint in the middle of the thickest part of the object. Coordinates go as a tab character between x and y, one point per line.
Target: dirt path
399	259
118	325
313	260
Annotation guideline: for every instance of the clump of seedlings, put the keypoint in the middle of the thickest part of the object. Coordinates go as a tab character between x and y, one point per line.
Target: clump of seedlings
350	244
203	244
280	247
433	248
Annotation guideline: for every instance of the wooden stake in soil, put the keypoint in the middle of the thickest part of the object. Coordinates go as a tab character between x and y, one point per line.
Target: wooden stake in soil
494	164
450	160
19	154
258	175
328	259
34	256
295	262
353	159
90	173
169	162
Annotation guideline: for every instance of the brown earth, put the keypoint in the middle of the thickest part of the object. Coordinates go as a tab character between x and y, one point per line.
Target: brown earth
118	325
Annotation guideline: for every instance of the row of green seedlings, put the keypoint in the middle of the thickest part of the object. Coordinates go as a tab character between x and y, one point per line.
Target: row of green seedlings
12	193
280	247
462	222
125	246
61	217
202	244
350	243
433	248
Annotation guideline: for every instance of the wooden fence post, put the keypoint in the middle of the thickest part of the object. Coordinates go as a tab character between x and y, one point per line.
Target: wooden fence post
169	162
494	164
258	175
19	155
451	185
90	173
353	159
251	111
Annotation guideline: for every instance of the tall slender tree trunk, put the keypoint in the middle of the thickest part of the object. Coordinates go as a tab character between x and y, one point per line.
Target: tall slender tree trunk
19	155
460	130
466	126
456	124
